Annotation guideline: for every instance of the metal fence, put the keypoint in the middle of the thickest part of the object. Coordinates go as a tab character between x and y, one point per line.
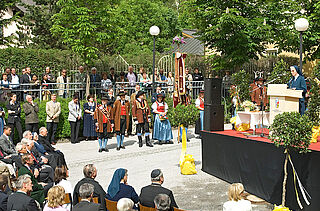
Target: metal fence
44	91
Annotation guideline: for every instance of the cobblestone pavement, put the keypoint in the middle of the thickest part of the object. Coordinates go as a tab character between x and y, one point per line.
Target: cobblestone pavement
193	192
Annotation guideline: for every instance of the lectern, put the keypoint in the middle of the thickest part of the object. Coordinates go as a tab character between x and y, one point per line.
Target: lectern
282	99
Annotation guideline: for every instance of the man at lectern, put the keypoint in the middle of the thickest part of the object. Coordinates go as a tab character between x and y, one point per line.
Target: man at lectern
299	83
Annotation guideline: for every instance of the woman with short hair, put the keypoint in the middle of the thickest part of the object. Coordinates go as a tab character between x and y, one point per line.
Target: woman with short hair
55	198
125	204
236	201
60	179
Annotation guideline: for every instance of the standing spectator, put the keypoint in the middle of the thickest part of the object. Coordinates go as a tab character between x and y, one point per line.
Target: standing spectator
111	98
25	202
162	77
106	83
14	120
63	84
35	86
7	71
25	81
90	173
196	77
141	71
49	75
60	178
119	188
55	199
236	201
89	129
189	79
162	202
81	78
5	87
14	80
226	82
170	83
86	192
113	76
146	82
122	81
2	122
131	76
31	110
45	87
95	80
74	118
53	110
148	193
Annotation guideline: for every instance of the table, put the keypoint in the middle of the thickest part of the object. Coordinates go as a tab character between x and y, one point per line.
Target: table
253	118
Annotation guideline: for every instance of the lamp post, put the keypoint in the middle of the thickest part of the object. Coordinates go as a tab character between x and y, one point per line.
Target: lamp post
301	25
154	31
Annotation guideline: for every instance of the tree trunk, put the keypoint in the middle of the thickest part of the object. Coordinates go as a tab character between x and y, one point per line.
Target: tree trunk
285	179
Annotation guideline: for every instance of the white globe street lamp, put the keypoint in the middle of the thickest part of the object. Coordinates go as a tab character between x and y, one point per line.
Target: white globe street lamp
301	25
154	31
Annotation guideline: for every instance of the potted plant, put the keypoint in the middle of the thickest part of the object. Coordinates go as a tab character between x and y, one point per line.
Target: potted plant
293	132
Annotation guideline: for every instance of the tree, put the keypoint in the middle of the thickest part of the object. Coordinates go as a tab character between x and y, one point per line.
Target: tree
4	5
133	18
84	26
236	30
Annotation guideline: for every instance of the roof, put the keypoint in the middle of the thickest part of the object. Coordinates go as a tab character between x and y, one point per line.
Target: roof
192	46
27	2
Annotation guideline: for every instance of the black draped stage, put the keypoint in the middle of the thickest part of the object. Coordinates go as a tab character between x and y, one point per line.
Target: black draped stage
258	165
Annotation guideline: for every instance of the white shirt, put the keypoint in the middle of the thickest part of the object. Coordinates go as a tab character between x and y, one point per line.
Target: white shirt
241	205
15	81
155	106
296	77
198	102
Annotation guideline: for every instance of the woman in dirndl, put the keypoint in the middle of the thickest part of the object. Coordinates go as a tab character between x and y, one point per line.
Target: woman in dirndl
89	128
162	129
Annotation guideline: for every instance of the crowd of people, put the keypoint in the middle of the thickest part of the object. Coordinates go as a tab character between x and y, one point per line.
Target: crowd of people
29	83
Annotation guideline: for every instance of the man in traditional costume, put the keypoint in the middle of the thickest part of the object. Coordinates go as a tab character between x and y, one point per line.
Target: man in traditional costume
103	117
142	118
121	118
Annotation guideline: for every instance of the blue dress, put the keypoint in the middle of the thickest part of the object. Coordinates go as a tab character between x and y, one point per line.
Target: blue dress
1	121
162	128
299	84
89	128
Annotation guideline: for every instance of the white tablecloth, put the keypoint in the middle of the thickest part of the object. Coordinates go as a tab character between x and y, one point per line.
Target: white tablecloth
253	118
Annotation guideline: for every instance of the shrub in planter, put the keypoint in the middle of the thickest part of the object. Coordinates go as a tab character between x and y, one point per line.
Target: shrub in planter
185	115
291	131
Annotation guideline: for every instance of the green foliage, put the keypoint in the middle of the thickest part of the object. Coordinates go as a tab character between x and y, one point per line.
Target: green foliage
84	26
292	131
37	59
132	21
280	73
241	80
4	5
313	111
185	115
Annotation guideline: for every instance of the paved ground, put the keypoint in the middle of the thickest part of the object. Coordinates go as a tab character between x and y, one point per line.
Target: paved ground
194	192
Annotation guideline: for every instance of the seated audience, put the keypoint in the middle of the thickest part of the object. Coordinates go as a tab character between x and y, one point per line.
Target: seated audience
149	192
24	187
86	192
125	204
6	145
162	202
90	173
55	199
3	194
119	188
60	178
236	201
37	191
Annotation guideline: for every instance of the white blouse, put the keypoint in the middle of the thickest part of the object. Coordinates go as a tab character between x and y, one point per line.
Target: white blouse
155	106
241	205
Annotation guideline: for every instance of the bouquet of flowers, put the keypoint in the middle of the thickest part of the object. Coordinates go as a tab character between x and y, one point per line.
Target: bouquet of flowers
179	40
248	104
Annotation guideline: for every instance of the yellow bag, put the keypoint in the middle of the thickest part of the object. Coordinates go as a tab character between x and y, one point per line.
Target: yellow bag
280	208
315	134
188	167
243	127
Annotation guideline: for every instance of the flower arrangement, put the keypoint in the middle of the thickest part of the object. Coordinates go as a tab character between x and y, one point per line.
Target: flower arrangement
247	103
179	40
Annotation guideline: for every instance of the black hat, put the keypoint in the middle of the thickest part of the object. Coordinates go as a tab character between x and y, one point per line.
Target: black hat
201	91
121	93
139	94
161	95
155	173
104	98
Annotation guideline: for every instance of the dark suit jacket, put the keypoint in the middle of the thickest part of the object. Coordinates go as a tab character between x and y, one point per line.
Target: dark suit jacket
31	112
3	201
95	80
87	206
98	191
24	79
149	192
21	202
13	117
46	144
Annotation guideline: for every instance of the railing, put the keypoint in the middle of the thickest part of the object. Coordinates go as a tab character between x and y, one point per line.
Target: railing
40	92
